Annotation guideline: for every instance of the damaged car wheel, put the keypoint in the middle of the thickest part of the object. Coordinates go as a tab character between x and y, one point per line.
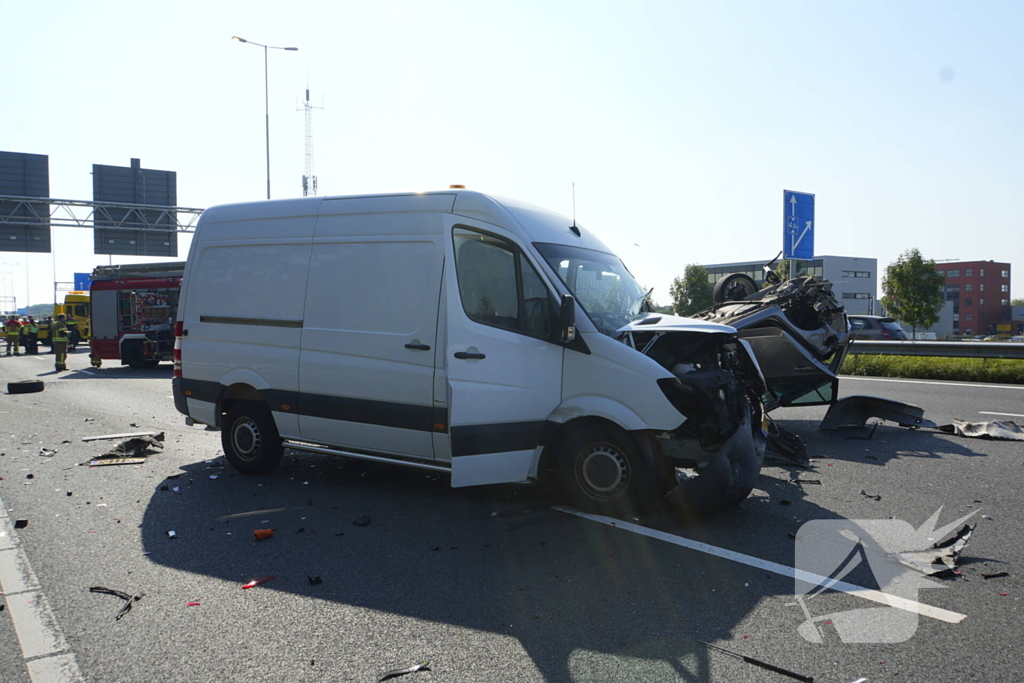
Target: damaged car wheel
250	438
602	470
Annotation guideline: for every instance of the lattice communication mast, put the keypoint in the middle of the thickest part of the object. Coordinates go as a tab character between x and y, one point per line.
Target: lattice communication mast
309	180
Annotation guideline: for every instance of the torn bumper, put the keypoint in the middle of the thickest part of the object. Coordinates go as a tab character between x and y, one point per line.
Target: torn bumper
729	475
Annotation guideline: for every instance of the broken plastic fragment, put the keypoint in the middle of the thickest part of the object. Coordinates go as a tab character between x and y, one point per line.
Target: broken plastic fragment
172	534
941	557
20	523
314	580
996	575
193	604
362	521
870	495
262	534
395	673
129	599
258	582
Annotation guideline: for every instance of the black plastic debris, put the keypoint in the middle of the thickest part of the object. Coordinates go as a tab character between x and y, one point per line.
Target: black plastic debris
20	523
759	663
875	496
434	548
362	521
940	558
854	411
395	673
786	446
314	580
785	502
996	575
866	437
135	447
165	487
30	476
301	530
129	599
69	494
2	607
808	481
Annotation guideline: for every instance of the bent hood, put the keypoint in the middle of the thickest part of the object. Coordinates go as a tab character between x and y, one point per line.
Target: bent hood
660	322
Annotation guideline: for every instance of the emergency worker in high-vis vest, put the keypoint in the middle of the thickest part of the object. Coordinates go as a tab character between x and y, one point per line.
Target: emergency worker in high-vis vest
12	334
59	338
32	337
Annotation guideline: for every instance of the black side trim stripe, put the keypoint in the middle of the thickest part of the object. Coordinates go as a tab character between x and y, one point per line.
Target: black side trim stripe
261	322
496	438
468	440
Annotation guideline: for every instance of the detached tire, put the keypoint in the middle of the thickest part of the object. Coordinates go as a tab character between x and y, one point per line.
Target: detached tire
28	386
602	470
735	287
250	438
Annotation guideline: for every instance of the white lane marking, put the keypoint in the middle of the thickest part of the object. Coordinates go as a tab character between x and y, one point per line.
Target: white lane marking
933	383
40	637
781	569
88	372
983	412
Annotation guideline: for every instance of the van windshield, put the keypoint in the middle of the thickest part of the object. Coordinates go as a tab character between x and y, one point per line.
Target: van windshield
601	284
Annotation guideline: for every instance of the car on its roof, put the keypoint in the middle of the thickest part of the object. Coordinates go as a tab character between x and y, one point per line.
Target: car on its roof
875	327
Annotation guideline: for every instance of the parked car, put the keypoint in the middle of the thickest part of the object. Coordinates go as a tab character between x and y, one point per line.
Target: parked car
876	327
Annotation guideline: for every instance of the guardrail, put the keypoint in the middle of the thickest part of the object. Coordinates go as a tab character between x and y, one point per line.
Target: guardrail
948	349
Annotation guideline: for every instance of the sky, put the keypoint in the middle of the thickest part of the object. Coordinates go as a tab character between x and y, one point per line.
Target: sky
679	123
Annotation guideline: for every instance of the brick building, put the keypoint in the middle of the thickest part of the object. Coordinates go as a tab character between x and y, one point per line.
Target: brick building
980	292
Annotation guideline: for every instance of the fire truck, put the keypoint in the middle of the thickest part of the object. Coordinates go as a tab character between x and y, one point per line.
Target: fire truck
133	312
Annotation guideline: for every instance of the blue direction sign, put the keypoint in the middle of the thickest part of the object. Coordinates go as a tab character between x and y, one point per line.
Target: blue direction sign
82	281
798	225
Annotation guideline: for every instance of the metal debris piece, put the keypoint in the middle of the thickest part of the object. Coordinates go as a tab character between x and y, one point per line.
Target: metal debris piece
854	411
129	599
362	521
870	495
159	436
172	534
758	662
996	429
135	447
941	557
996	575
395	673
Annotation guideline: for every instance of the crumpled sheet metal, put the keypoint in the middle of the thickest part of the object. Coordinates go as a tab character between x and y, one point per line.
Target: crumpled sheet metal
941	557
996	429
854	411
134	447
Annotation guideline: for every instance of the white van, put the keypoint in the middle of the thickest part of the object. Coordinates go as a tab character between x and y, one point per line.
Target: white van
458	332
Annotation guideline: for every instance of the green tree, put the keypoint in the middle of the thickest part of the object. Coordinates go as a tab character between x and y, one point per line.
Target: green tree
912	290
1017	302
692	292
39	310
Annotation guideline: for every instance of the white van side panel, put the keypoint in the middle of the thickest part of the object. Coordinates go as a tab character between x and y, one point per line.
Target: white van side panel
370	322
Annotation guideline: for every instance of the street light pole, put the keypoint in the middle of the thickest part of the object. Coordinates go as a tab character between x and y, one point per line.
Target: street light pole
266	92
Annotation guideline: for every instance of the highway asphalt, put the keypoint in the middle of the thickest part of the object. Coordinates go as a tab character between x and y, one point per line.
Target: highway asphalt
490	584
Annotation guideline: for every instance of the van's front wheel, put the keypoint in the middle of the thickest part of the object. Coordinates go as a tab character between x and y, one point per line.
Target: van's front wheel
601	469
250	438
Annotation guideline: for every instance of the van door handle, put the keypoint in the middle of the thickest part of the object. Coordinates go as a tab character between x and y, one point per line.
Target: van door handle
418	347
465	355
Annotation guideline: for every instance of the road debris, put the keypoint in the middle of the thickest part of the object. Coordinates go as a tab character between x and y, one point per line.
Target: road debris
314	580
129	599
135	447
865	438
362	521
758	662
20	523
996	575
940	558
786	446
47	452
262	534
172	534
854	411
996	429
870	495
194	603
258	582
159	436
395	673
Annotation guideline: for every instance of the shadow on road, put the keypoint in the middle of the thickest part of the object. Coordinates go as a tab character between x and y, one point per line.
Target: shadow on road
586	601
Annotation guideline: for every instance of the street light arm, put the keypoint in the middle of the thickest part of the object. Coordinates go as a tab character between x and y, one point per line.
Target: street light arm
265	47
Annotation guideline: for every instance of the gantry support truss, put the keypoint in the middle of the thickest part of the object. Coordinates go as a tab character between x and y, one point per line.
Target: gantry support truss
75	213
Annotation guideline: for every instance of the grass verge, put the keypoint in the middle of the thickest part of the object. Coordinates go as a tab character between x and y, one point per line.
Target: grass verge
998	371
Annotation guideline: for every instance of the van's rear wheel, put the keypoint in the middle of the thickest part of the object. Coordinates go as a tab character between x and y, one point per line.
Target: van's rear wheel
250	438
601	469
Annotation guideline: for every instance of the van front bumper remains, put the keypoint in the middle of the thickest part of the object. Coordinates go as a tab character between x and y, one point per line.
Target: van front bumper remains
728	476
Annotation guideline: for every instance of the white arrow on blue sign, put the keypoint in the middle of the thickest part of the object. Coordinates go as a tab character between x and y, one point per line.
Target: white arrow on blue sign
798	225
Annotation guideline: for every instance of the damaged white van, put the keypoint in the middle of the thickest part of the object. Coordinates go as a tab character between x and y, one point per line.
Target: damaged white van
458	332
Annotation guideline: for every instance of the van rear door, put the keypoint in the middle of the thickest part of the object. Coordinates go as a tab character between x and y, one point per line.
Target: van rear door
504	373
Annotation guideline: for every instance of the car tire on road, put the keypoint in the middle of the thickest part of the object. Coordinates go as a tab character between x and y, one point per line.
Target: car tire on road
28	386
602	470
250	438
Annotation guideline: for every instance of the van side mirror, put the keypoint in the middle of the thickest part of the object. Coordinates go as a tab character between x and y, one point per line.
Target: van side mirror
567	319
